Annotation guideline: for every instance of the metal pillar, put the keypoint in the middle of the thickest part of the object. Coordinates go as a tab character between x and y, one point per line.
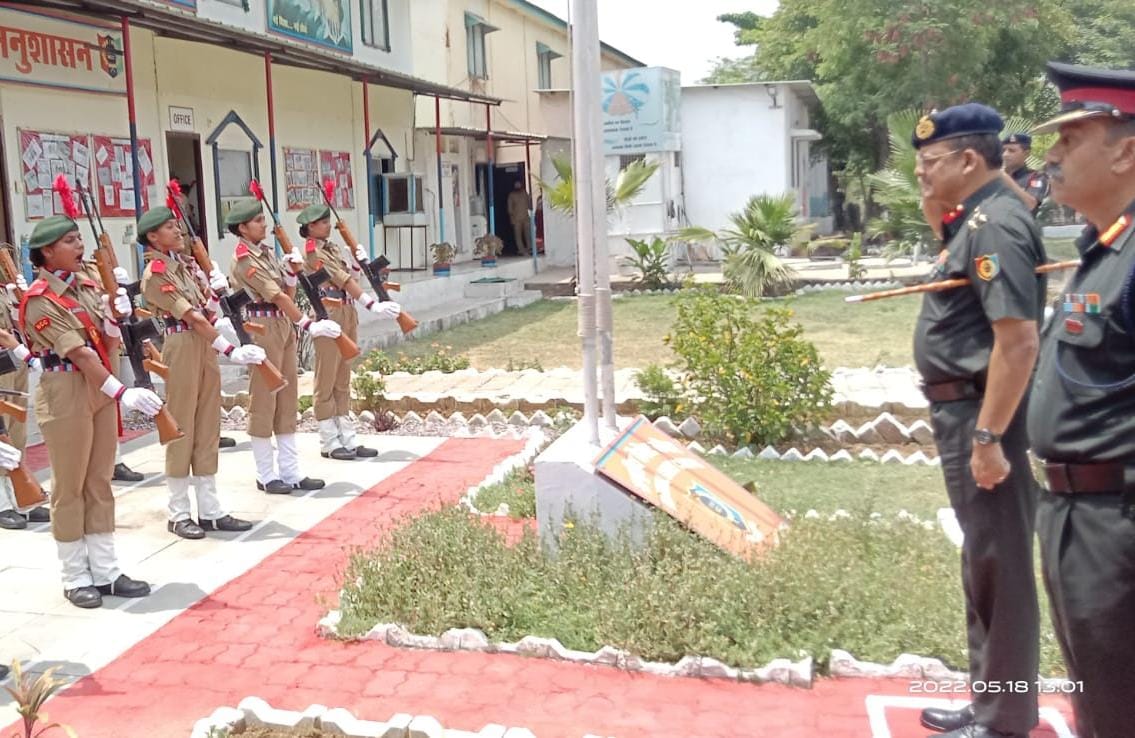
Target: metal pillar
490	156
532	207
132	114
440	199
369	166
271	135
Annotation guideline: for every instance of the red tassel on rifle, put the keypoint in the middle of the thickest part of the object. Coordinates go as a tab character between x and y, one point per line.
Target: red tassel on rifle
63	188
329	191
256	190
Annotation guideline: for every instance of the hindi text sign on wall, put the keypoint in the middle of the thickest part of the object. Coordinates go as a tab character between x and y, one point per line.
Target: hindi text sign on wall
51	51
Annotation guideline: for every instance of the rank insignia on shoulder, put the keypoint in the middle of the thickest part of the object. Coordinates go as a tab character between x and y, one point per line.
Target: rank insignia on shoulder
978	220
242	250
42	324
988	267
157	266
310	246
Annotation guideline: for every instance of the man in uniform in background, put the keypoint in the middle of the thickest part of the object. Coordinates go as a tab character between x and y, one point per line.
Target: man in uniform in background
519	205
1029	184
332	399
1082	412
194	385
256	269
975	347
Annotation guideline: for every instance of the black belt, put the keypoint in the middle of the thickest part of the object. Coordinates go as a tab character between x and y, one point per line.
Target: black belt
332	292
261	306
953	390
1087	479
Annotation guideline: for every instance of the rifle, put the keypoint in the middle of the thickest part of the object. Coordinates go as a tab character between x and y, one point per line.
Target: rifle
135	332
27	488
948	284
9	270
153	361
375	270
348	349
231	304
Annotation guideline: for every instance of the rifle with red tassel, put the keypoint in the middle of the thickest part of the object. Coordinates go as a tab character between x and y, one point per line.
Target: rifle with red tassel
375	270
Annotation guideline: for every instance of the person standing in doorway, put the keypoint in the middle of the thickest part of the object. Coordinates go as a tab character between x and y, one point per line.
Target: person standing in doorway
519	207
975	347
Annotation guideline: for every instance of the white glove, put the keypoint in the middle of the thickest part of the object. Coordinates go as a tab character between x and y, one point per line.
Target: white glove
387	309
294	257
217	281
35	367
110	328
21	352
121	276
11	288
249	354
9	456
121	303
142	400
362	255
324	329
290	279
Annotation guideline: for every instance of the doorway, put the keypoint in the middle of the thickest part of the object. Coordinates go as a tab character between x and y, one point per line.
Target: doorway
183	153
505	177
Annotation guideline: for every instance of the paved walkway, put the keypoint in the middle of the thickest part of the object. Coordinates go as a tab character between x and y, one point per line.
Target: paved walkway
237	618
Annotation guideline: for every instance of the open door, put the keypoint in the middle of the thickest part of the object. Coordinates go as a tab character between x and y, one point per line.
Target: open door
183	151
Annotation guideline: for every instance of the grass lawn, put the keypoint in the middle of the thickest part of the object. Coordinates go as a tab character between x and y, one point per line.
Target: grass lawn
545	332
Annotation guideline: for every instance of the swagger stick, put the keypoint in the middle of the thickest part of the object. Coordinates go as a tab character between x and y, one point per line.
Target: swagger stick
948	284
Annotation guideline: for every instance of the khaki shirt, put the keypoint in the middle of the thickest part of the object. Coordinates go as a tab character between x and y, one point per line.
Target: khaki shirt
257	269
7	323
169	286
327	255
49	327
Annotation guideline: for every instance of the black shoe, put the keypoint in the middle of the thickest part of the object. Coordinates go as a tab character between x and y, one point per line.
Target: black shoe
227	523
3	672
123	473
339	454
309	484
39	514
974	730
87	598
12	520
185	529
124	586
226	442
275	487
936	718
365	453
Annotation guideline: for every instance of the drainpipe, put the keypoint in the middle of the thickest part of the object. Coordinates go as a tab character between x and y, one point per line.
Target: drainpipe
132	114
369	166
491	157
532	207
440	200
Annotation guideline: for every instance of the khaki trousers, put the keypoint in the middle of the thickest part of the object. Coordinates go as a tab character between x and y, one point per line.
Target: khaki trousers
274	413
332	396
193	396
17	431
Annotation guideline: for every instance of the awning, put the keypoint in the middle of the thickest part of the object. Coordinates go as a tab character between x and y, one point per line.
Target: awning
166	20
480	134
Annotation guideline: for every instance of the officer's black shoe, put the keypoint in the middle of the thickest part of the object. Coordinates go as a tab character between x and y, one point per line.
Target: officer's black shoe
339	454
87	598
226	523
275	487
39	514
12	520
936	718
185	529
226	442
365	453
974	730
308	483
124	586
123	473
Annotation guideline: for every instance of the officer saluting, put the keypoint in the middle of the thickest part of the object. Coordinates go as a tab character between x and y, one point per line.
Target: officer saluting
1029	184
332	401
194	384
1082	411
62	317
975	348
256	269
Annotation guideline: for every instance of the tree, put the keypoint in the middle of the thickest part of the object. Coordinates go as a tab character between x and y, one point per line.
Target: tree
1105	33
627	186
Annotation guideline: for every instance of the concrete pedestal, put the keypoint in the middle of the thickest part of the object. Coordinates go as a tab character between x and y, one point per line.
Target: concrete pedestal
567	486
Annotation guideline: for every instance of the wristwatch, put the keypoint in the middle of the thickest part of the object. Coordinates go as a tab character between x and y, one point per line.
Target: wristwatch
986	437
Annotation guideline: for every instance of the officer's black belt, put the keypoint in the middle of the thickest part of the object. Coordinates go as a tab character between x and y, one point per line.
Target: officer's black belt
1087	479
334	293
261	306
952	390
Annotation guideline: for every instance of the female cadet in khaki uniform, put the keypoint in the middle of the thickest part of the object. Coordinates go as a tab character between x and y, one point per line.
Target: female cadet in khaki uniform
332	401
10	338
255	268
194	385
63	319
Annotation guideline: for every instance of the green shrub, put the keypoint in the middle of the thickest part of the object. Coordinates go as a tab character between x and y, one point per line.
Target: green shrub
651	260
750	377
440	359
305	402
855	268
517	490
663	396
369	390
518	365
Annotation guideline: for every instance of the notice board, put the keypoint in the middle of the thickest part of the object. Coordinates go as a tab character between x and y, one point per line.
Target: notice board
654	467
336	166
114	174
301	178
43	157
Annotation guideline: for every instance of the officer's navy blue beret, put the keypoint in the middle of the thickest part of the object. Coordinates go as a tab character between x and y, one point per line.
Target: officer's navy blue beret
1087	92
1023	139
970	119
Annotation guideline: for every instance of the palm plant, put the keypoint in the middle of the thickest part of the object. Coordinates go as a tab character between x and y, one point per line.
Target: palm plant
29	695
561	194
766	223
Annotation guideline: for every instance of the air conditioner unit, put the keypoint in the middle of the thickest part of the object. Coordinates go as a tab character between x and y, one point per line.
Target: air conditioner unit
402	200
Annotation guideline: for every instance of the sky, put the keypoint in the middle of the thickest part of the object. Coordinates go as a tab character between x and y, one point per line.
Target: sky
680	34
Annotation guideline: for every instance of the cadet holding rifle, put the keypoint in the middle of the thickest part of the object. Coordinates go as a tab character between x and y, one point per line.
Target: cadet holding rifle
63	321
255	268
194	381
332	400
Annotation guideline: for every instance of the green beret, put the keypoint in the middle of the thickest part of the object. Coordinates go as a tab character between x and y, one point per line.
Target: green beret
243	211
50	230
315	211
152	220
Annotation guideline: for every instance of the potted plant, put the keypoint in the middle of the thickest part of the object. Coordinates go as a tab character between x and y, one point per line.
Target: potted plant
488	247
443	254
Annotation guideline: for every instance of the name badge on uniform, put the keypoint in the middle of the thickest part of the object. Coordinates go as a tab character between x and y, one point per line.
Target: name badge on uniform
169	288
1074	326
42	324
